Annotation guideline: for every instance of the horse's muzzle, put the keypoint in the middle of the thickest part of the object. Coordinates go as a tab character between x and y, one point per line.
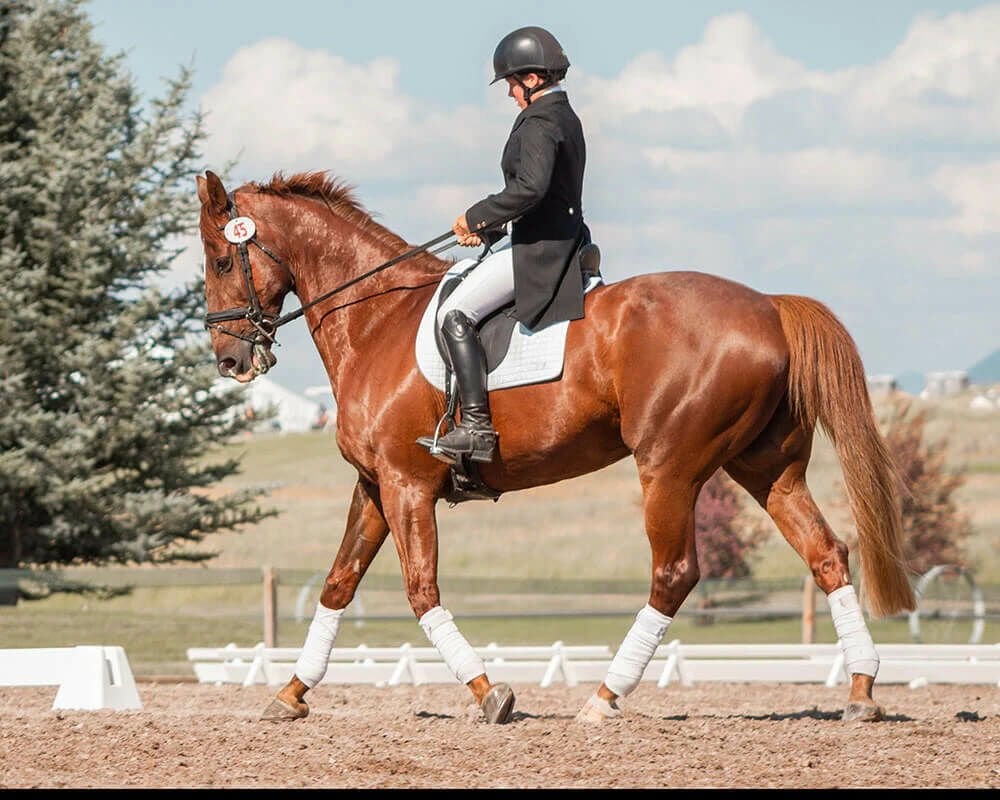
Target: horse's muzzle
246	362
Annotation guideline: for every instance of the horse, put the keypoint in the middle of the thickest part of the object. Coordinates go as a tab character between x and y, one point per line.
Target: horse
685	372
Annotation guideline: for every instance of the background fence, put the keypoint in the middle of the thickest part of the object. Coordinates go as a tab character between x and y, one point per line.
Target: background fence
158	613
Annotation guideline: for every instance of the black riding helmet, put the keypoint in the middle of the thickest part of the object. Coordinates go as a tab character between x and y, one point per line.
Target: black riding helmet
529	49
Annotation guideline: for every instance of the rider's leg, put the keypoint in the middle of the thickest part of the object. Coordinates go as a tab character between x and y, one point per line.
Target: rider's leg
489	286
474	435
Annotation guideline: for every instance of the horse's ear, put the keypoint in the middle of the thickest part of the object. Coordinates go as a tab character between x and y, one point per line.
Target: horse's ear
212	193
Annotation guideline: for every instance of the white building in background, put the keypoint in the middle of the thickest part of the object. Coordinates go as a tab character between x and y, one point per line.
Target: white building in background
942	384
882	384
294	413
987	399
984	402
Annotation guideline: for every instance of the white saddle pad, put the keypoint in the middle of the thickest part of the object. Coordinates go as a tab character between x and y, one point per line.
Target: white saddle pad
531	358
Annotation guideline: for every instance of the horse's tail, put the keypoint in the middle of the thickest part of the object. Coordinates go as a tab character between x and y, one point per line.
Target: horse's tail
826	384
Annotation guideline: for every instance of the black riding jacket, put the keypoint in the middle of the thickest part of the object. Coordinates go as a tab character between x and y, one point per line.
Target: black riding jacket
543	165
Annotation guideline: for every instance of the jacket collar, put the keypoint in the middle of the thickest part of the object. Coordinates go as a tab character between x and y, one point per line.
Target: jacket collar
539	104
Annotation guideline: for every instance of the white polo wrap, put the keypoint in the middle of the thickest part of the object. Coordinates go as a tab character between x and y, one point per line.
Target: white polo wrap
636	650
855	640
457	653
315	655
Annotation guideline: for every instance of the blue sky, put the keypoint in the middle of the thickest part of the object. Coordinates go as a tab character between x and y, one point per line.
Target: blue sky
847	151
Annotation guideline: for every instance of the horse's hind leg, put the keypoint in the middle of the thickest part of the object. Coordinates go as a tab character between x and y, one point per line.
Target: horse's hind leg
773	470
366	531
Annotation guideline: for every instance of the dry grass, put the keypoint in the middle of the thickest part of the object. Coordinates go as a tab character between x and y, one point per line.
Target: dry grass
589	527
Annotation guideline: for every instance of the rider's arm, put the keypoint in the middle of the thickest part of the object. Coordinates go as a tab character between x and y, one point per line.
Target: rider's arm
539	145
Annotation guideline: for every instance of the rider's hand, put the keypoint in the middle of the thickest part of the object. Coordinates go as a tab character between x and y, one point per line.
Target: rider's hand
466	238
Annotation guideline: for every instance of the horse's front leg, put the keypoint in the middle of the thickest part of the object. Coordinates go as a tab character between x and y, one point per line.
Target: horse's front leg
411	517
365	533
669	515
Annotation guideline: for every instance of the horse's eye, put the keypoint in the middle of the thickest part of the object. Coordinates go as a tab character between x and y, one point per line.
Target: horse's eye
222	264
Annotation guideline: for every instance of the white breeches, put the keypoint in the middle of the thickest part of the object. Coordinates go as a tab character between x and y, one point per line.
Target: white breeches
489	286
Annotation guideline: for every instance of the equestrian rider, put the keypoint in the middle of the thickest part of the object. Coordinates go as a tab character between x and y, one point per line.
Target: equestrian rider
542	164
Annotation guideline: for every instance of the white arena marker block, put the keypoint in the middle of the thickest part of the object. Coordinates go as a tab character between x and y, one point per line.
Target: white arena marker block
97	678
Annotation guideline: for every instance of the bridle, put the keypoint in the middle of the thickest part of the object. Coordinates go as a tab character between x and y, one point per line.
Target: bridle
242	231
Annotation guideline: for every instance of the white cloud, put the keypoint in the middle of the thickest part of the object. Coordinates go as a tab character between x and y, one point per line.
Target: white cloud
814	179
731	67
972	189
729	157
943	80
278	103
447	201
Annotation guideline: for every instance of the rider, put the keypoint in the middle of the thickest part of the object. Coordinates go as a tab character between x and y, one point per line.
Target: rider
542	164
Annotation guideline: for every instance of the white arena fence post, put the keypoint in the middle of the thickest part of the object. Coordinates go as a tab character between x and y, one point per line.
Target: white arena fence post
89	677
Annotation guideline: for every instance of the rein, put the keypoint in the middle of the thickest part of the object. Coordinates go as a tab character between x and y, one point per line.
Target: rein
266	325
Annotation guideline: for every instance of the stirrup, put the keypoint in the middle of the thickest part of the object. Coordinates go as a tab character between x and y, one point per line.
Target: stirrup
431	442
482	445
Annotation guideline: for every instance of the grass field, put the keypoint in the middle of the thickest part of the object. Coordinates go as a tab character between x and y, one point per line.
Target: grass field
589	528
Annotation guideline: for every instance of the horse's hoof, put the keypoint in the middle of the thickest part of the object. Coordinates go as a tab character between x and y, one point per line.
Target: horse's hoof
280	711
861	712
597	710
498	704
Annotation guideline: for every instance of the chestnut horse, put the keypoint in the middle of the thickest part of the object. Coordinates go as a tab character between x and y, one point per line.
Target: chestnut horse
685	372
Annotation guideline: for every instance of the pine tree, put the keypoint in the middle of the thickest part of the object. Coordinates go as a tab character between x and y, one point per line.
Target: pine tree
107	413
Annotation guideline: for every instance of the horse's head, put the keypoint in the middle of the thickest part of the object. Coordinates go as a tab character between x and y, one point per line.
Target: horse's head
245	280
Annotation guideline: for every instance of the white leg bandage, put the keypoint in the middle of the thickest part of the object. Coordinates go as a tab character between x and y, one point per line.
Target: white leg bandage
457	653
315	655
637	650
855	640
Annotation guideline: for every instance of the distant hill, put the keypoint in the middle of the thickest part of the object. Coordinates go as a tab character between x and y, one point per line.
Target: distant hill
986	371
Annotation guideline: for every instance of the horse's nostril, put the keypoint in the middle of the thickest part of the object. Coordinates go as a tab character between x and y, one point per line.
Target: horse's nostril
227	367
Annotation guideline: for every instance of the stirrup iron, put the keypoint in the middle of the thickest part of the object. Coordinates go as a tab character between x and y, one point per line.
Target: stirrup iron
431	442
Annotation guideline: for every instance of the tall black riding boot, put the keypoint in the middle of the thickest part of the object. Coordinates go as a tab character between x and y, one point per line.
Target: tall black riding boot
474	436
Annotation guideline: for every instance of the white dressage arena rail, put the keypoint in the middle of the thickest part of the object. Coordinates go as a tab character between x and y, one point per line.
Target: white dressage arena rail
89	677
915	664
392	666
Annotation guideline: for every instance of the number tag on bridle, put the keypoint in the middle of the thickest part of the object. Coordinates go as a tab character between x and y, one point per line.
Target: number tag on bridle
240	230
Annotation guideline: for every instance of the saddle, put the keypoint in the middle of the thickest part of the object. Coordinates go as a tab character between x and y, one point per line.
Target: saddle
495	333
495	329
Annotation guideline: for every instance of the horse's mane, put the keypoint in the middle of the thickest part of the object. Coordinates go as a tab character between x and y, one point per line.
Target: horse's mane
336	194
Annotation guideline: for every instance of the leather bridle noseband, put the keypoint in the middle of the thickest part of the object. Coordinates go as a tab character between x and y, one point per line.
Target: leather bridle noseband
266	325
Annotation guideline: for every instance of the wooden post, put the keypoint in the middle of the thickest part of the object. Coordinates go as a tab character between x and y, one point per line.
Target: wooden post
808	610
270	607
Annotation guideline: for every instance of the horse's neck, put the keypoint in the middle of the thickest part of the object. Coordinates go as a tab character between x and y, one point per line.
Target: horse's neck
374	319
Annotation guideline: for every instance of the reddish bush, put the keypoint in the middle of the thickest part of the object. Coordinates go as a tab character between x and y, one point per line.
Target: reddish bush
724	539
934	528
